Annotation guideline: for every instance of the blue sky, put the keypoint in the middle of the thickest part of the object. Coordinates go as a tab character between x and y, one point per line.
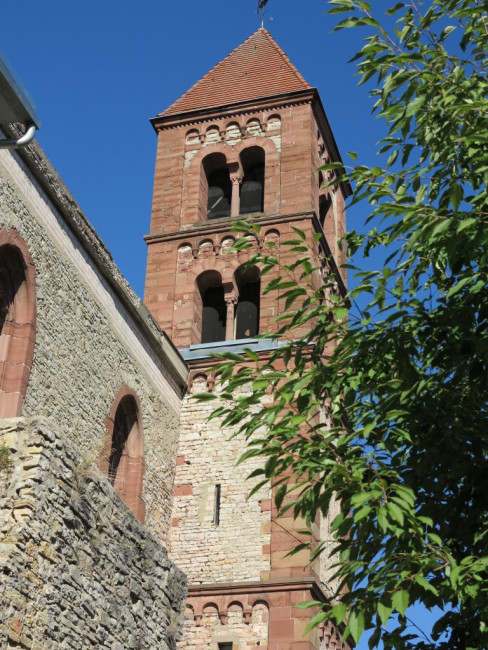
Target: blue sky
97	71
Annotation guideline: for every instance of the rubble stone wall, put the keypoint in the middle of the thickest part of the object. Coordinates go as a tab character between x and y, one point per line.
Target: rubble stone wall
77	570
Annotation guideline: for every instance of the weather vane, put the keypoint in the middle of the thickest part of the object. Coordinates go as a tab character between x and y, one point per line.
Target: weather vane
261	5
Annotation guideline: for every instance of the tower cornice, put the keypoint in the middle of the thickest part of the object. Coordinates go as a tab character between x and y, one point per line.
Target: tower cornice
271	102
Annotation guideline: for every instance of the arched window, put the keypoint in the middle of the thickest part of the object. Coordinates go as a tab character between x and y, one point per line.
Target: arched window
17	321
252	188
214	312
219	186
247	312
123	457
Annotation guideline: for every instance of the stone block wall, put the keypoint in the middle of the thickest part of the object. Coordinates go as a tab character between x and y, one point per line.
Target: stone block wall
93	335
77	569
237	547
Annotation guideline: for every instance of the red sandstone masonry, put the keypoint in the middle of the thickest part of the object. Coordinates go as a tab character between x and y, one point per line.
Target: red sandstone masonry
182	490
251	541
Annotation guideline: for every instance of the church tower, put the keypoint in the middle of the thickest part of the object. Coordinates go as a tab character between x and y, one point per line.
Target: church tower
244	142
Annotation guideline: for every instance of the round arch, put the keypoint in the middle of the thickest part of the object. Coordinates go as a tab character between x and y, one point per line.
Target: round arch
122	458
17	321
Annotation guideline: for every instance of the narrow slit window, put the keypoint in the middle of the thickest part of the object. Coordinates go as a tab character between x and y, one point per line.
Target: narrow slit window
216	514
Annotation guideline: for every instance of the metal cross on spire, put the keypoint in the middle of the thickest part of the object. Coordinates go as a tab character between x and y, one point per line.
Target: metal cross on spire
261	5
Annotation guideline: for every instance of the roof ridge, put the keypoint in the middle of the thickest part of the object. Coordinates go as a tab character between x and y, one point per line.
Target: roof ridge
283	55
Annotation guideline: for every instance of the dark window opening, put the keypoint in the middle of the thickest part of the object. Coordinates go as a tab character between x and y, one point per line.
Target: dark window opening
247	313
125	421
252	188
219	195
247	316
324	206
225	646
219	186
216	512
8	285
17	321
214	315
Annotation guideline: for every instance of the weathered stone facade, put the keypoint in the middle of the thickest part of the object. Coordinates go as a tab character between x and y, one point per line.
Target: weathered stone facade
78	570
89	341
236	548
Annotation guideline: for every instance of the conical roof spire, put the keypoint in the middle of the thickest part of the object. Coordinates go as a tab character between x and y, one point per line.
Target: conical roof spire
256	68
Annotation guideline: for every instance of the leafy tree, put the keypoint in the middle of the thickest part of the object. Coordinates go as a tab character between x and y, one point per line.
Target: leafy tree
405	379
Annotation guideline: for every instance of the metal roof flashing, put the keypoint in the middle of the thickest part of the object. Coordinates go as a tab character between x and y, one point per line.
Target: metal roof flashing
206	350
15	104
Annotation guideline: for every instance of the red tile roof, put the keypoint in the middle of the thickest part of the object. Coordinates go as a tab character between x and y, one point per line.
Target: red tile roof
257	68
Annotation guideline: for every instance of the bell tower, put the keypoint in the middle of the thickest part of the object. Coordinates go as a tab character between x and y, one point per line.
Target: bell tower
244	142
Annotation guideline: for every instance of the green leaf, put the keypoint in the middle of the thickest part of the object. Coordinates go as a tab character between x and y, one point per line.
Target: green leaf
419	579
356	625
339	612
400	600
395	513
394	9
306	604
280	495
414	106
205	397
456	195
446	31
315	620
384	612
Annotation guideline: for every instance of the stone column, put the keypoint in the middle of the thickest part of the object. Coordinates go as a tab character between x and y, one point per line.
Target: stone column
235	202
231	302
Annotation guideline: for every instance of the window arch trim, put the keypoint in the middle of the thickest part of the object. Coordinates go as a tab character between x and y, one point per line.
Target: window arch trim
197	182
18	331
127	480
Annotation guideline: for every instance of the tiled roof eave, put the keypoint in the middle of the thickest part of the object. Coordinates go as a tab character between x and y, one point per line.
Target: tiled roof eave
213	112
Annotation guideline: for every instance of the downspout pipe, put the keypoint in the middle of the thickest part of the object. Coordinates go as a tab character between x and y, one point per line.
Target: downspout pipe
18	143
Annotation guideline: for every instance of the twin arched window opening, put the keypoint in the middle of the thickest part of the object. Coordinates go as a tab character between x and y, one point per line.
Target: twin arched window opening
235	189
229	312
